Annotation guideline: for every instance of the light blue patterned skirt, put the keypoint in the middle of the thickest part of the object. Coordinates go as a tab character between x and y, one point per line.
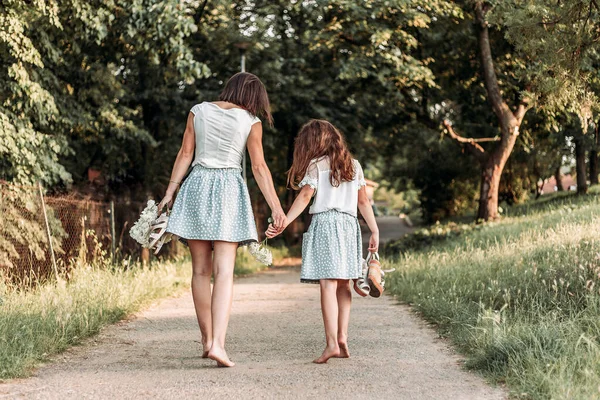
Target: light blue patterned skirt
332	248
213	204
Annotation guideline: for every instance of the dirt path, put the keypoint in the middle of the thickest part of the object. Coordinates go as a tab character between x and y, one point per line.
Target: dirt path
275	332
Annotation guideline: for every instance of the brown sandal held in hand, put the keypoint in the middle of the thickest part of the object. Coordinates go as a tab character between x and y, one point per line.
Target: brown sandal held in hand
375	275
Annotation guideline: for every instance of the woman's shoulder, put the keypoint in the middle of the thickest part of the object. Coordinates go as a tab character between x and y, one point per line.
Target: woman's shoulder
241	114
197	107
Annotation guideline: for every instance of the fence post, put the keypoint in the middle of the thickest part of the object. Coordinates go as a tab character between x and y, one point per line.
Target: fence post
48	234
112	230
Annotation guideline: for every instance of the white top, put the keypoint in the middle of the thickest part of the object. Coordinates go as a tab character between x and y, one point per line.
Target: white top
342	198
221	135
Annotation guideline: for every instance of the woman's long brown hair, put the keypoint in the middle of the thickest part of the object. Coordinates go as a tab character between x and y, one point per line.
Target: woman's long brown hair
316	139
247	91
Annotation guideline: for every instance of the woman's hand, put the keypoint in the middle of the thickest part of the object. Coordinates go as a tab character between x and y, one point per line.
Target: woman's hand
166	201
374	242
279	220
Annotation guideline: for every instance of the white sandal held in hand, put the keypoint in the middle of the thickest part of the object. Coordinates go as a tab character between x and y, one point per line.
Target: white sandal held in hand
158	235
360	285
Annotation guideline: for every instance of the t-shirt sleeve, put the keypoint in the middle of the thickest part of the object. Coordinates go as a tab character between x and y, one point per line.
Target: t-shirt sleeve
255	119
359	175
195	109
311	178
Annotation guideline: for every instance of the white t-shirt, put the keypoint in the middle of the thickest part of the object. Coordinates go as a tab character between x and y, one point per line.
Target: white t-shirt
343	198
221	135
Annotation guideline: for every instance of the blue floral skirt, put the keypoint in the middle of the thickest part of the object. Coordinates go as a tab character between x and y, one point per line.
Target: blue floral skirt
213	204
332	248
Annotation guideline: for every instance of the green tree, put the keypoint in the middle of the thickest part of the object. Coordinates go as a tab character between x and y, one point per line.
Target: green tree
521	28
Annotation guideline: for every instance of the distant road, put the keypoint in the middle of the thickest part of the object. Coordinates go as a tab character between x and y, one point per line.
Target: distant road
390	228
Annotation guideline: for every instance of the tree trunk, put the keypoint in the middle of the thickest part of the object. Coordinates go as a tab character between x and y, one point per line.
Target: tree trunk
558	179
593	167
580	166
488	194
594	160
491	172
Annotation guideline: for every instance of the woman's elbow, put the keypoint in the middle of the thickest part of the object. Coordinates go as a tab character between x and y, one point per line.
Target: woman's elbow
260	169
186	152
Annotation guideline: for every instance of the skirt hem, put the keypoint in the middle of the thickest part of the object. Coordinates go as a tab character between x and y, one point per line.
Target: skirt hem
243	242
317	281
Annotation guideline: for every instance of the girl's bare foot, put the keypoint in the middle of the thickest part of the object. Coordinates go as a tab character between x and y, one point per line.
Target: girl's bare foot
344	351
327	354
220	356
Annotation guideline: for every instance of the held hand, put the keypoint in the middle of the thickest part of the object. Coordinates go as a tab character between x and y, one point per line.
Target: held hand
279	220
272	231
374	242
166	201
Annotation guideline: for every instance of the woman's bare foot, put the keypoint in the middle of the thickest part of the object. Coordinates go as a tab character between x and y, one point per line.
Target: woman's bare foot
327	354
205	348
220	356
344	351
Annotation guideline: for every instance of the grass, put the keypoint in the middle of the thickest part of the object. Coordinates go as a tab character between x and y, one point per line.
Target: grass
246	264
520	297
46	320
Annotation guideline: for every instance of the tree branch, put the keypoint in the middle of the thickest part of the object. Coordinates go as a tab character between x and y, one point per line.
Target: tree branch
487	62
470	144
521	110
201	12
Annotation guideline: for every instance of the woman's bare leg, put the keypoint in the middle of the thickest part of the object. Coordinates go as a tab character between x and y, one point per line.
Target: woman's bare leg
329	307
344	300
201	272
223	263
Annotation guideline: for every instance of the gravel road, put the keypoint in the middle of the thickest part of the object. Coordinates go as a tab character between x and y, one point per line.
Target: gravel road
275	332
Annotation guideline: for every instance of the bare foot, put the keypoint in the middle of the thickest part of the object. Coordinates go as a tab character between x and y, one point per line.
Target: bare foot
327	354
205	348
220	356
344	351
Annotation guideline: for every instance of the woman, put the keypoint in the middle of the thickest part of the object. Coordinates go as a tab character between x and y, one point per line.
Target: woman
212	210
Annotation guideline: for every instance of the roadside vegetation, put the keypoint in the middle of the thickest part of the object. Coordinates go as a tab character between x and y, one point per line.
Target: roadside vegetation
39	321
520	298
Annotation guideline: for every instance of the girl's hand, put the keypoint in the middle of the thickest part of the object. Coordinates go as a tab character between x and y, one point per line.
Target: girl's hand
272	231
279	219
374	242
166	201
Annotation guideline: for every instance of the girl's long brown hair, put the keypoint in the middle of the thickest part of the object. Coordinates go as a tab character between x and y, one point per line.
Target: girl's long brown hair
316	139
247	91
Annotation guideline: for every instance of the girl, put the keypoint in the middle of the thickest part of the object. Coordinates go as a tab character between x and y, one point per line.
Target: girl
332	247
212	210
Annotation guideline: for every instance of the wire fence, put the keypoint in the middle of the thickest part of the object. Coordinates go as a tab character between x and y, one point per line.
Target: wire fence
43	235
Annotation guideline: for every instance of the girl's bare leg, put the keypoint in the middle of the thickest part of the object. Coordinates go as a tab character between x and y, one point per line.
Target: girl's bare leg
201	271
344	301
329	307
222	296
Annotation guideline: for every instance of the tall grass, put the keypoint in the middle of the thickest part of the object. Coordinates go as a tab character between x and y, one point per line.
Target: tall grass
55	315
38	322
520	298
